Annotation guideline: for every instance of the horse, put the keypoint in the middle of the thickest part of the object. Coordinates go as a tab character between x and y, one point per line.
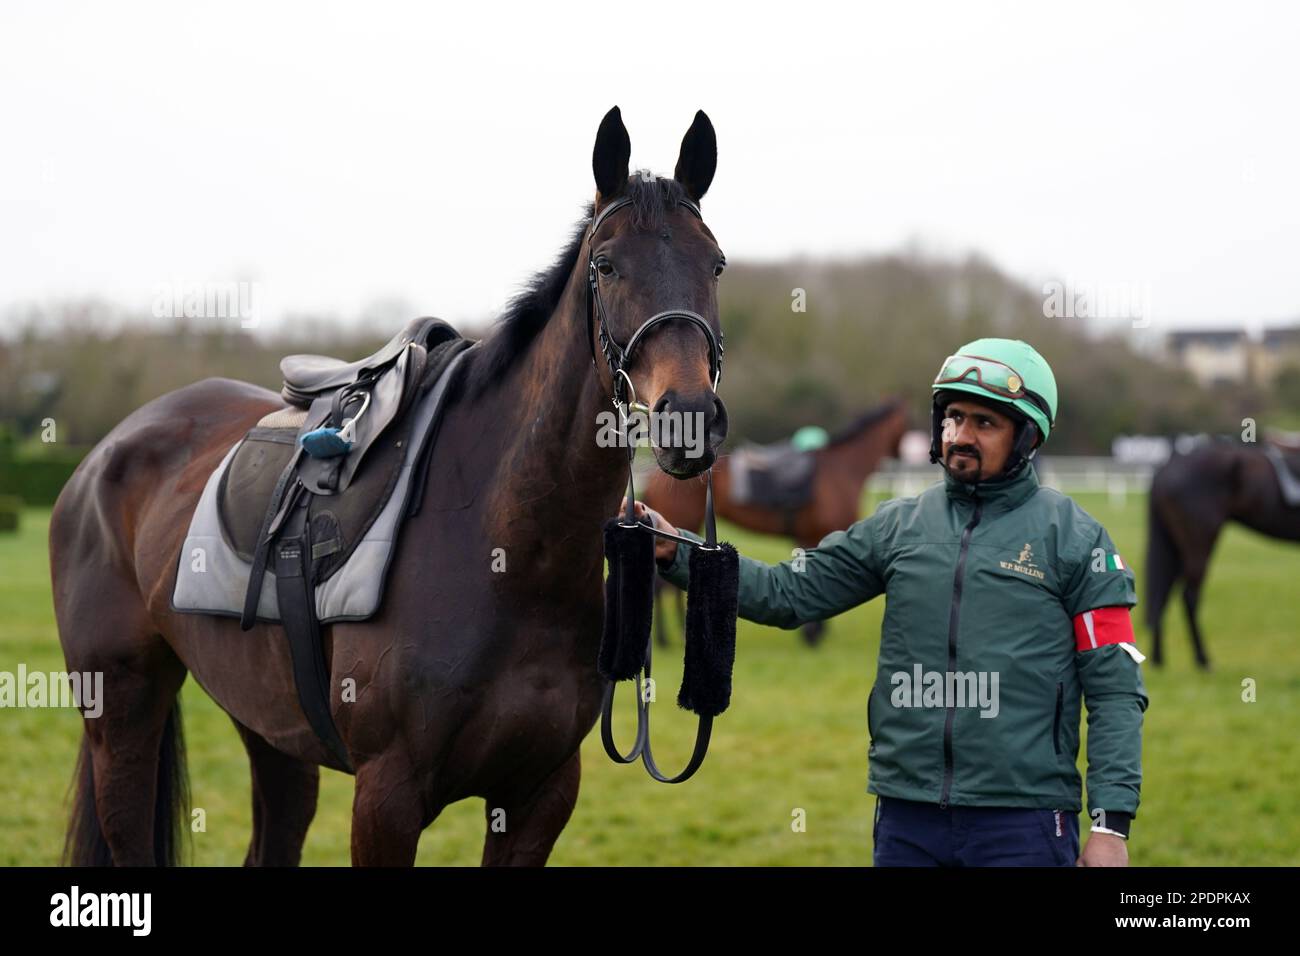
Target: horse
470	681
1192	497
841	469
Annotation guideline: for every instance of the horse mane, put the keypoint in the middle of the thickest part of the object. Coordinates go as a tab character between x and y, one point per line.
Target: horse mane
529	310
864	421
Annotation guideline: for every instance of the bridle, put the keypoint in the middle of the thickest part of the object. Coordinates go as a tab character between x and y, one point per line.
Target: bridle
618	357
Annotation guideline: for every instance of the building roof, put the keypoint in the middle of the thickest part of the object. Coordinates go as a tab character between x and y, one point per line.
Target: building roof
1220	337
1283	336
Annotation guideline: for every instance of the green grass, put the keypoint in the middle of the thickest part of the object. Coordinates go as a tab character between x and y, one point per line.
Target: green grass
1221	775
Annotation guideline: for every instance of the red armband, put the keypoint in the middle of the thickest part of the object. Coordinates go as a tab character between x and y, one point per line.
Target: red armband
1101	626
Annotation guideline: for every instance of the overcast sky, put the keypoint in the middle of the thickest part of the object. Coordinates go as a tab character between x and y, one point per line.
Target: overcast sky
438	154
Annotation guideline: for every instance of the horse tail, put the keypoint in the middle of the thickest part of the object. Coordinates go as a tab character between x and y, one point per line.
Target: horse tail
1163	565
85	845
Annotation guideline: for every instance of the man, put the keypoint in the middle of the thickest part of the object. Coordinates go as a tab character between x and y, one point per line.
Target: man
1005	605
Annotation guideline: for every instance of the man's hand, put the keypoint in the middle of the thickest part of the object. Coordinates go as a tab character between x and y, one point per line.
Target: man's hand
1104	849
665	548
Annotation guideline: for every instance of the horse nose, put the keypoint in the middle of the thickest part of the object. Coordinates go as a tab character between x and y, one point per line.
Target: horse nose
700	415
718	426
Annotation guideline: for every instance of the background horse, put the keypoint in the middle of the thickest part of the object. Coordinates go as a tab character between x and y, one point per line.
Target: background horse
470	681
841	470
1192	496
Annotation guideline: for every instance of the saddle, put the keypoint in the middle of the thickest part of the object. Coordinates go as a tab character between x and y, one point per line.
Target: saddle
778	476
308	481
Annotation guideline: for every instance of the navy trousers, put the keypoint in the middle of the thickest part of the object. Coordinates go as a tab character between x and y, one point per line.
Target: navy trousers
907	833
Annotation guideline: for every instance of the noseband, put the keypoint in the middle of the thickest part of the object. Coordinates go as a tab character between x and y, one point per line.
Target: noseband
618	357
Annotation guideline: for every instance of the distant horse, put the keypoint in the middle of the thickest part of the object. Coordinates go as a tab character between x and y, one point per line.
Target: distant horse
1192	497
841	470
471	680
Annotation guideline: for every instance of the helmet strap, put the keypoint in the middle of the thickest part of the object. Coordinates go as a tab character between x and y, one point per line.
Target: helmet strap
1022	450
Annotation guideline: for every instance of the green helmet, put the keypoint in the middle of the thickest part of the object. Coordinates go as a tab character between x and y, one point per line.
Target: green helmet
1006	370
810	438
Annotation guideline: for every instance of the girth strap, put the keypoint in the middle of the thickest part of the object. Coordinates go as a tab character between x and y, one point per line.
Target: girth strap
296	595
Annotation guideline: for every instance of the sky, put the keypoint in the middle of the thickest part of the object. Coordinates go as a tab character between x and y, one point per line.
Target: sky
427	158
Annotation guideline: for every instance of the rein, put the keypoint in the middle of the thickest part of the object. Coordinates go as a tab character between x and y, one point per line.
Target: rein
626	649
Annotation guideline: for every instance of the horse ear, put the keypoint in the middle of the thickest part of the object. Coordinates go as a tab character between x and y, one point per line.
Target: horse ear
610	156
698	160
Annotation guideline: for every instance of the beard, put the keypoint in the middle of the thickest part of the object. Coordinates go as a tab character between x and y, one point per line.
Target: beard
962	465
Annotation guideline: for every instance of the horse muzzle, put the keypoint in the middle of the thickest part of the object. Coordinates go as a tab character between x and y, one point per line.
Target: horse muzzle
687	431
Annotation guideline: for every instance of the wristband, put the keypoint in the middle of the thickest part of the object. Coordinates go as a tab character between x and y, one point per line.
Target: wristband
1122	836
1117	823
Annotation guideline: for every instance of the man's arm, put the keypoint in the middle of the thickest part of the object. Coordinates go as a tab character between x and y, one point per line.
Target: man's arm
838	574
1116	700
1101	592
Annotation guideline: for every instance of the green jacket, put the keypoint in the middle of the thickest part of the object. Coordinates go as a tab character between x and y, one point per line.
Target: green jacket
989	584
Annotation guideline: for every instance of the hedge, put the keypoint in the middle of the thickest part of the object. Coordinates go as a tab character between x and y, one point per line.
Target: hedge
37	480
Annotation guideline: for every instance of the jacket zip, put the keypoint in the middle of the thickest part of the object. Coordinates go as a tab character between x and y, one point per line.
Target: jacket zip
954	616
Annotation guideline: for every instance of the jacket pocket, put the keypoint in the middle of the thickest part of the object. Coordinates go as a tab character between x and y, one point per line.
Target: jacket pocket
1056	721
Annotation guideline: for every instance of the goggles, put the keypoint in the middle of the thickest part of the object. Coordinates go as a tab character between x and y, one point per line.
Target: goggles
990	375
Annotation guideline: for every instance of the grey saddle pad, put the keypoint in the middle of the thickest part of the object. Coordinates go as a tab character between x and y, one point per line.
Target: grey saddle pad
214	567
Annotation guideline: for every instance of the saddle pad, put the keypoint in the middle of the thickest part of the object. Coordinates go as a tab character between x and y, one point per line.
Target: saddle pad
212	578
289	417
780	478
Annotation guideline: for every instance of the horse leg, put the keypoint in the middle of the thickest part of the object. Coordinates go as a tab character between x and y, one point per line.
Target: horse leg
813	632
522	829
388	813
1196	563
1191	598
285	790
661	630
135	750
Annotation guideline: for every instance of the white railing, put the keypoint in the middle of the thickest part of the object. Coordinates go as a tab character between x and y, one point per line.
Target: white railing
1070	474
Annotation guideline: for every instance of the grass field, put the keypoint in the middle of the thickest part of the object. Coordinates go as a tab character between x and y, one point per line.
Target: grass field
1222	777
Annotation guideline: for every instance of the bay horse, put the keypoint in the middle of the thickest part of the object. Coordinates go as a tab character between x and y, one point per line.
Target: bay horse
1192	497
471	680
841	470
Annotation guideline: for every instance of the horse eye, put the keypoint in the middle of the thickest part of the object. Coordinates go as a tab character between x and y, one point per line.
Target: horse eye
604	267
719	268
